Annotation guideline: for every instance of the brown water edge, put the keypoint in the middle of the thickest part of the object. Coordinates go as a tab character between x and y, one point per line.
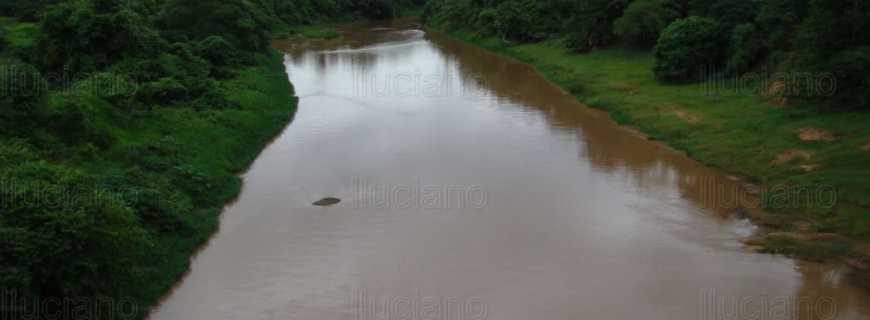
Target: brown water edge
473	188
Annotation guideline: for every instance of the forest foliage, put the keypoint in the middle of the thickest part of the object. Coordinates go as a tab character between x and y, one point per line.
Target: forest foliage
122	126
824	38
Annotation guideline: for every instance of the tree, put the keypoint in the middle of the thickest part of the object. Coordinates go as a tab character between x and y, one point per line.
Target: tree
63	237
22	89
85	36
376	9
237	21
687	47
516	20
643	21
592	23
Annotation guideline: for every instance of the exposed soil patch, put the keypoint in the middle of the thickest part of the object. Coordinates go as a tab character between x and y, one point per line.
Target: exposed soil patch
775	94
624	88
816	134
790	156
810	167
692	119
866	147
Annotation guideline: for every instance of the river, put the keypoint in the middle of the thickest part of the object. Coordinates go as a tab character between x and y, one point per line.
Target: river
472	188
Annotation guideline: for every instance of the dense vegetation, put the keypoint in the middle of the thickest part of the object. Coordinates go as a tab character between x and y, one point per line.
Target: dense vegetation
818	37
775	91
122	126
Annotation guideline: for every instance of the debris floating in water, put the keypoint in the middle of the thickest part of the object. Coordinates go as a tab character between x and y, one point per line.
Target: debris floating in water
325	202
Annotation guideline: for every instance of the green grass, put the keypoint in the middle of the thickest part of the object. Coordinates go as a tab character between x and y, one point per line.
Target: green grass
737	131
284	32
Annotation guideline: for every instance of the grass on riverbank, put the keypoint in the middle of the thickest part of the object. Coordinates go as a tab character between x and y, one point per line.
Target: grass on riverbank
731	129
308	32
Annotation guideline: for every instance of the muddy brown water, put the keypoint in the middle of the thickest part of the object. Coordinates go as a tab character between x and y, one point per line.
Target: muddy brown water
472	188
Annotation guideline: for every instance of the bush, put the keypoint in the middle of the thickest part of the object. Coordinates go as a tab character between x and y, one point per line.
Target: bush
106	85
516	20
159	210
643	21
86	36
21	93
217	50
214	99
745	50
592	28
686	48
486	19
75	119
165	91
71	239
237	21
25	10
377	9
852	86
728	13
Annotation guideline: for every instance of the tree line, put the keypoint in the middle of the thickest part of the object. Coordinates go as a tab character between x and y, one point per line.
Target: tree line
692	39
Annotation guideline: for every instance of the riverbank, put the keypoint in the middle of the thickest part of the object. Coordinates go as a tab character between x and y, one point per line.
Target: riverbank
216	146
166	171
795	156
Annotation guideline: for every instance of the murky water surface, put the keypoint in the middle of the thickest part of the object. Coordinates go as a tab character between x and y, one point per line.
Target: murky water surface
472	188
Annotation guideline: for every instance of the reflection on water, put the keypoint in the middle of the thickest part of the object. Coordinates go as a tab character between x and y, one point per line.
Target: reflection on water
473	188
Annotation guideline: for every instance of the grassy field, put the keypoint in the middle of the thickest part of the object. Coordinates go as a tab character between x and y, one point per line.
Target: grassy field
735	130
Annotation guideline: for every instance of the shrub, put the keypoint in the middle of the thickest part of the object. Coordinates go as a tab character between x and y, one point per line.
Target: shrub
643	21
165	91
237	21
25	10
592	25
214	99
110	86
852	86
377	9
86	36
515	20
158	210
486	19
21	93
686	47
75	119
745	49
72	239
728	13
217	50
